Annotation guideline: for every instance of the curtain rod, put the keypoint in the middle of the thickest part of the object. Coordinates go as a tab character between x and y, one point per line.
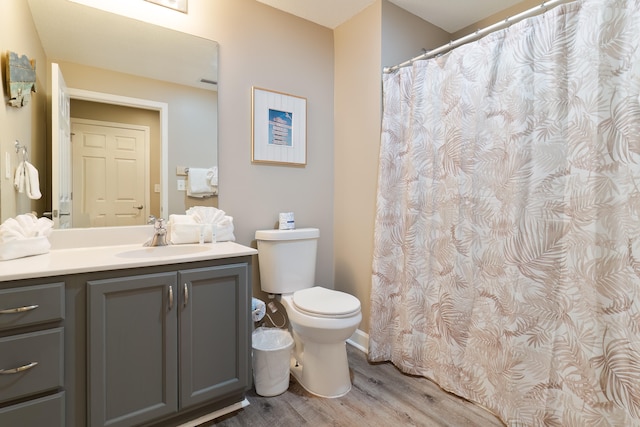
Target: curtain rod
536	10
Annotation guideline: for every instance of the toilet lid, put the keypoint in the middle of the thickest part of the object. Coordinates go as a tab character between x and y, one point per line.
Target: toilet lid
325	302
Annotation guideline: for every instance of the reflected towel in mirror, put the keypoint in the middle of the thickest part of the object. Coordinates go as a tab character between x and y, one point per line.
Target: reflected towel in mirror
27	180
202	182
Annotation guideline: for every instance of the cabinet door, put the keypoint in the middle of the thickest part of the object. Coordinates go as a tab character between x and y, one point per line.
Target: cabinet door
214	332
132	349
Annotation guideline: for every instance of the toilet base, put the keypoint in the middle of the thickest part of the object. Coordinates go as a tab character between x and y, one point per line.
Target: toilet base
322	369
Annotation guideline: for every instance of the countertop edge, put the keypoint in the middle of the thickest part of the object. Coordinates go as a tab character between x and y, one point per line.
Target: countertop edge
60	262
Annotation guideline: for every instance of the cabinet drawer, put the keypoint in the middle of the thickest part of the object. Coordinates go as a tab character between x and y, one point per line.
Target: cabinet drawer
17	352
45	411
31	304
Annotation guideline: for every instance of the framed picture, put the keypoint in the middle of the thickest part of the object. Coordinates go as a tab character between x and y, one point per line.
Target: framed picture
179	5
278	128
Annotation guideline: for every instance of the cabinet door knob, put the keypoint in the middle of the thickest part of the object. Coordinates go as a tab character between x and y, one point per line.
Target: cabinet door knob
19	309
18	369
170	297
186	294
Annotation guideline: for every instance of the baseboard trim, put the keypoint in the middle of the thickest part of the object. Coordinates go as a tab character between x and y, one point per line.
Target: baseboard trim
360	340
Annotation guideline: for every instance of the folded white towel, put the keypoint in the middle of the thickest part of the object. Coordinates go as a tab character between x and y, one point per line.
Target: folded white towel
201	182
212	223
182	232
183	229
181	219
206	214
24	226
24	247
212	174
26	180
24	235
224	230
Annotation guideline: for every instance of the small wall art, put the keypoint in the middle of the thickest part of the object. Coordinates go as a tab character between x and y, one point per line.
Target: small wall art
21	79
179	5
278	128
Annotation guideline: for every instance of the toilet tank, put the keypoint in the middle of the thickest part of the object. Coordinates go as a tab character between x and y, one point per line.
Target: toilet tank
287	259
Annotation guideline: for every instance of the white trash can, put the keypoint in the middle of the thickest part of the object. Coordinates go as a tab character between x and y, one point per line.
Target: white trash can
271	358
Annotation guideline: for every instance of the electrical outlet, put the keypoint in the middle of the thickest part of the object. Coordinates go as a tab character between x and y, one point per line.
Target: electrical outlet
182	185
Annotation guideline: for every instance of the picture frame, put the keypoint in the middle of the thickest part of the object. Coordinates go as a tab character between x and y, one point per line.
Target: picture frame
179	5
278	128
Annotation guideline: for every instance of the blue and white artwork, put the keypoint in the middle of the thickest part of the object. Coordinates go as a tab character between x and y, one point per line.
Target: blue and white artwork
280	124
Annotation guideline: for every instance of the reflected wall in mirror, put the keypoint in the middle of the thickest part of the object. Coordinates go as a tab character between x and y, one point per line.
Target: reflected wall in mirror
106	53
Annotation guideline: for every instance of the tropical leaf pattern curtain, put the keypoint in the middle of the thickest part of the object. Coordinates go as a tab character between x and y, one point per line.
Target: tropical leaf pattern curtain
507	241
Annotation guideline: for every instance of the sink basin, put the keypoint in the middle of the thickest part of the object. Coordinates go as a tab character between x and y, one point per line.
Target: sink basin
164	251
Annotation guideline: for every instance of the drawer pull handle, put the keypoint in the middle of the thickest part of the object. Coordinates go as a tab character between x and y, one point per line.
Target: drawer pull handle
18	369
170	297
19	309
186	294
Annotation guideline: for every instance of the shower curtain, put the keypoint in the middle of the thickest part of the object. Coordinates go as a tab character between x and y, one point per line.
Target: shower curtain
507	239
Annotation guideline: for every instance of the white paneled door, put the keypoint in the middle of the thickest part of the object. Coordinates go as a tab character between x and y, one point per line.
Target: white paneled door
110	179
61	196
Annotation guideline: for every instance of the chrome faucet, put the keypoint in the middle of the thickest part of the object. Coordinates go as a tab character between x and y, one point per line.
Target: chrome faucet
160	232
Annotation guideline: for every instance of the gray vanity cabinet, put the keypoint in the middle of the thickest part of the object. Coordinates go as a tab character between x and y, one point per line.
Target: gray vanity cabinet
162	343
32	354
132	349
213	324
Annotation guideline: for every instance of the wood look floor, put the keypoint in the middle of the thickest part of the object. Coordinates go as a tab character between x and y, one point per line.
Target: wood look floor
381	396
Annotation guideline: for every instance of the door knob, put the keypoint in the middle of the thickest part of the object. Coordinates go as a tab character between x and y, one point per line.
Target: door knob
139	207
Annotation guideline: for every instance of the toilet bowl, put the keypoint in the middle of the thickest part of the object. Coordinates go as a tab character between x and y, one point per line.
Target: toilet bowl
319	361
320	319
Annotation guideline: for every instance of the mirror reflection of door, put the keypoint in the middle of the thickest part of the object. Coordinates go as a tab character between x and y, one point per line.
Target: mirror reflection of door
61	195
110	164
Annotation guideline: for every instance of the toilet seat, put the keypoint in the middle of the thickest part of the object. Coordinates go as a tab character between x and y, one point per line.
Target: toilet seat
323	302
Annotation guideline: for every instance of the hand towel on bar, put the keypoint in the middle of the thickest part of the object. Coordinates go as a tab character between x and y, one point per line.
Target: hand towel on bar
27	180
200	182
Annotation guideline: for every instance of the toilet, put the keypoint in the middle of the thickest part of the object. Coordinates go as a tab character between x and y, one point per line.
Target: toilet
320	319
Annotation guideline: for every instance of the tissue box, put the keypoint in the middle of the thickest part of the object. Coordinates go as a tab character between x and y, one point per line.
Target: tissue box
20	248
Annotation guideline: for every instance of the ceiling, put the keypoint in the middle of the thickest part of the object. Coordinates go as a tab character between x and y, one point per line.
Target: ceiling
450	15
74	32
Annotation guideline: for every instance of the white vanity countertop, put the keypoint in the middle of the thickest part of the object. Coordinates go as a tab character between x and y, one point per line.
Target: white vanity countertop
115	257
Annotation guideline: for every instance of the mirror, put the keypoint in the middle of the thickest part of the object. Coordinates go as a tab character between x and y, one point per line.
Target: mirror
132	65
